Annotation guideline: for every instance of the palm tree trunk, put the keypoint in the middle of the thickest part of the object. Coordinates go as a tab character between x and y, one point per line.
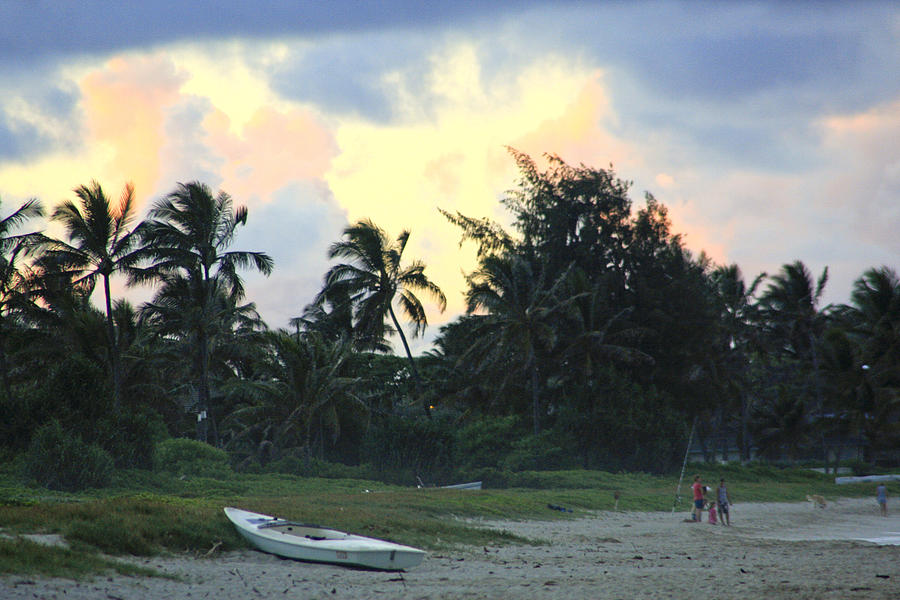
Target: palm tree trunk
535	397
4	368
417	381
745	429
113	347
203	390
821	405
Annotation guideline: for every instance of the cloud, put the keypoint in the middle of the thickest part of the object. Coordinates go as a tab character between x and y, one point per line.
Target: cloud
582	132
765	128
43	28
295	228
274	148
33	118
448	151
346	74
125	104
865	180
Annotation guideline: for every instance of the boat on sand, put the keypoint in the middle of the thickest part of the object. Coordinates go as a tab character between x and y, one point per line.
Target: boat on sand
474	485
312	543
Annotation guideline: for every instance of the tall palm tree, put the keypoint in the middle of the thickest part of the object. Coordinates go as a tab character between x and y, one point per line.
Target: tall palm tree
519	322
199	322
100	244
790	305
737	314
14	248
374	278
790	308
875	325
185	241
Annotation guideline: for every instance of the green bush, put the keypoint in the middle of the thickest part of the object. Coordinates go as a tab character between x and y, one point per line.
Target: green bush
131	437
620	425
424	448
487	441
184	457
294	465
60	460
540	452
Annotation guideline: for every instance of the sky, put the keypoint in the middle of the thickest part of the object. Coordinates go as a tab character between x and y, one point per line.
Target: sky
771	131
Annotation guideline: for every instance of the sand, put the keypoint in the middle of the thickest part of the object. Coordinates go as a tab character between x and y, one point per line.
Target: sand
771	551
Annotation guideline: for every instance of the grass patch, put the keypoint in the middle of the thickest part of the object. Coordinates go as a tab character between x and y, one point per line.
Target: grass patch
185	515
24	557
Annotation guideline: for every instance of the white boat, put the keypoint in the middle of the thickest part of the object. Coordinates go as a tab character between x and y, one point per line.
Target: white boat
317	544
866	479
474	485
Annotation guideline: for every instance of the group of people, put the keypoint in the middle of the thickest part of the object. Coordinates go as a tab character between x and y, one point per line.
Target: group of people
721	504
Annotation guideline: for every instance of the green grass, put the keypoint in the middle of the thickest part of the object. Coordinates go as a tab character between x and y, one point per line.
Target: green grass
185	516
24	557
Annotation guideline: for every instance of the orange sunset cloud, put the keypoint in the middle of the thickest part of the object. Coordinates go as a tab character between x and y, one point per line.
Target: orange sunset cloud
579	135
125	105
272	149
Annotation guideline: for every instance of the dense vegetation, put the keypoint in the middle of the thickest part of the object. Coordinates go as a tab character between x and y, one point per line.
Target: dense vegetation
593	339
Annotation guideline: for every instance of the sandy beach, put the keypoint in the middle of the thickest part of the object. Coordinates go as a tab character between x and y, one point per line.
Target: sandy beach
790	550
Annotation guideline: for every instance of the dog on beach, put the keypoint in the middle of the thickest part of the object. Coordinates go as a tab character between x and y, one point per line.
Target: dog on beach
817	500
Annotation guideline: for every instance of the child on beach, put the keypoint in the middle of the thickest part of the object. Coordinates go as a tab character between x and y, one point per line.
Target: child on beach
697	488
881	497
723	500
712	513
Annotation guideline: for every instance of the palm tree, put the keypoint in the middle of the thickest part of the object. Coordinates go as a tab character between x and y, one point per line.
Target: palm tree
519	320
781	427
307	394
185	239
790	307
790	304
737	314
201	323
875	326
100	244
14	248
599	332
373	278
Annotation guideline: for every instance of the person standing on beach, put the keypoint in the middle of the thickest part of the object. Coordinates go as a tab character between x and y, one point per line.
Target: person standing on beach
697	487
724	501
881	496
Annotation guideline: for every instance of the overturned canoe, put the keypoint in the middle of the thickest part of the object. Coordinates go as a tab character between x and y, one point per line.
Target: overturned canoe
317	544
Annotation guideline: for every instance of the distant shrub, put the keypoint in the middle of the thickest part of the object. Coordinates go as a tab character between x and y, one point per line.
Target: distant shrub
131	437
181	456
489	477
860	468
487	441
537	453
422	447
60	460
294	465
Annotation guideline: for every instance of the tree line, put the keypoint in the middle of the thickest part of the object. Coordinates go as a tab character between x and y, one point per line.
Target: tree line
592	338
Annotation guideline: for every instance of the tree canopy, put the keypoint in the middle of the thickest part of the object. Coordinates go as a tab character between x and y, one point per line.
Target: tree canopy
592	338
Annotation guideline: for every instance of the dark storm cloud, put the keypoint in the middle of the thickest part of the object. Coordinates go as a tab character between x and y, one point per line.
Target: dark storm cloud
31	29
345	74
22	136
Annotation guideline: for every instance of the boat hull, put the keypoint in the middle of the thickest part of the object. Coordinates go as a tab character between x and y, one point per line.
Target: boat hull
317	544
